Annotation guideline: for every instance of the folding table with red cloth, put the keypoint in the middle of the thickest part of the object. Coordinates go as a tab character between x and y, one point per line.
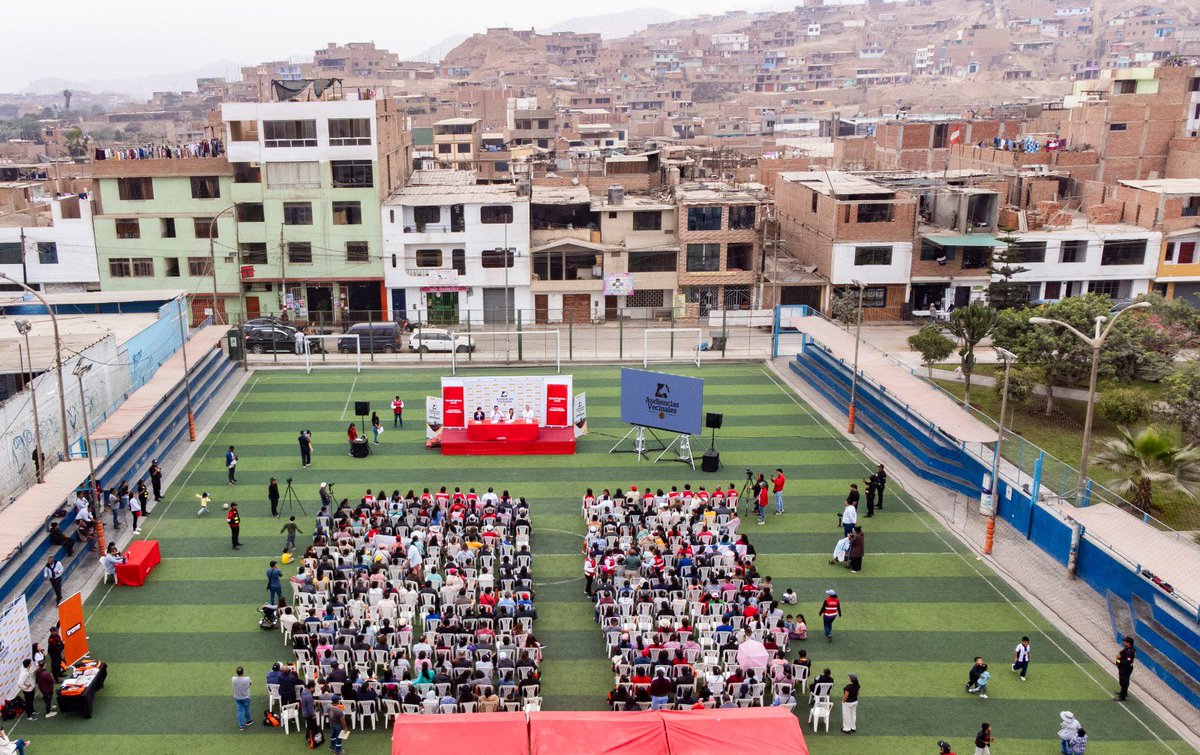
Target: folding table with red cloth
141	557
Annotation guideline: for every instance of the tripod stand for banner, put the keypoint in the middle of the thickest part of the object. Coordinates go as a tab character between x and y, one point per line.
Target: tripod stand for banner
639	442
685	450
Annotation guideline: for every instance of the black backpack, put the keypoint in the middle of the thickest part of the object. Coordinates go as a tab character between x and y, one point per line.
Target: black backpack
12	709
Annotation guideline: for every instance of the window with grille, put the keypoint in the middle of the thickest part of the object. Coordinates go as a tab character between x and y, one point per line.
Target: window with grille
143	267
200	267
206	187
293	175
135	188
299	252
647	221
872	255
741	217
654	262
128	228
119	267
648	297
429	258
297	213
358	251
1027	251
492	258
1107	288
496	214
250	212
349	132
458	261
289	133
205	228
47	252
1123	252
253	253
347	213
703	258
352	174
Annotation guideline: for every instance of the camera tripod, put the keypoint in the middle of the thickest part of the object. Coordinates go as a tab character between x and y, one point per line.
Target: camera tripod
746	487
290	499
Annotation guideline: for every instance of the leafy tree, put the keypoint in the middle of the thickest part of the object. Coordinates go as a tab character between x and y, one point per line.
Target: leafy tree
1151	456
1182	398
67	94
1058	355
1124	406
844	306
1005	293
971	324
931	345
77	142
1021	382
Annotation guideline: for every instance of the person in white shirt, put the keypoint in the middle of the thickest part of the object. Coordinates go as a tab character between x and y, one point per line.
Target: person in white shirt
111	559
849	518
528	414
512	415
496	415
490	498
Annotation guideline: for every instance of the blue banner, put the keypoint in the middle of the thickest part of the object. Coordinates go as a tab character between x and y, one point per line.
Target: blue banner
662	401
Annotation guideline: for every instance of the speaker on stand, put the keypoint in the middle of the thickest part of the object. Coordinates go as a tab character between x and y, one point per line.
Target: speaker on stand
711	462
363	410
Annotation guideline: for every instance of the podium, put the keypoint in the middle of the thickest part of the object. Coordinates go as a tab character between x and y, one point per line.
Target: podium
360	449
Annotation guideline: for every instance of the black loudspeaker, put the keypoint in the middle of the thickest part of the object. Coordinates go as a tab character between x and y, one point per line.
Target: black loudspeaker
362	408
360	449
711	461
713	420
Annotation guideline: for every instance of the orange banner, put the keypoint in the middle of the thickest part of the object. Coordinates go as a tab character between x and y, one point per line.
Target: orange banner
70	627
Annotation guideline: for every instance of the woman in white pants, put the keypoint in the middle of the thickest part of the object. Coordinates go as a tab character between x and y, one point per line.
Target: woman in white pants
850	705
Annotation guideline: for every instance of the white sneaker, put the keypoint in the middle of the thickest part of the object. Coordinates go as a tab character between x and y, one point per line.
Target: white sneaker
983	696
52	714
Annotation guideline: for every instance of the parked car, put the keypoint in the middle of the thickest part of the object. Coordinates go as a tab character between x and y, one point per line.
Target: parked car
372	337
434	339
266	340
258	323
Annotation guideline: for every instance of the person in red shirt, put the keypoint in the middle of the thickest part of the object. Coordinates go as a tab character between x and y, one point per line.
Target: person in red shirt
760	505
777	483
831	608
352	435
397	413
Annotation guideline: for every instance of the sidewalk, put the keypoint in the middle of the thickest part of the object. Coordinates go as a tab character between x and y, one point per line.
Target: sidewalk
987	381
1070	605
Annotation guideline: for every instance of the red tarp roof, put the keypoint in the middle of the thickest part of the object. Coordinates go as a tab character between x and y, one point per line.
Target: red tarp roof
696	732
597	733
453	734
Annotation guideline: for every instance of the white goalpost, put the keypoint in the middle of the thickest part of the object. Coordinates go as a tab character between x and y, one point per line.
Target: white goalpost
667	349
509	351
332	341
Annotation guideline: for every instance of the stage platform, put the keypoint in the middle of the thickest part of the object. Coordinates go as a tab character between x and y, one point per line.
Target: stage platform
550	441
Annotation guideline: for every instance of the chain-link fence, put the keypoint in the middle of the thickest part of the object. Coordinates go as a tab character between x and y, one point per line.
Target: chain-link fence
524	337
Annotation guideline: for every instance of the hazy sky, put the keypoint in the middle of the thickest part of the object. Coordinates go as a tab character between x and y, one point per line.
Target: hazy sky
89	41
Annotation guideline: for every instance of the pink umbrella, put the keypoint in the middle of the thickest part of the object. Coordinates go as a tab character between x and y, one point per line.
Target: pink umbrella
752	654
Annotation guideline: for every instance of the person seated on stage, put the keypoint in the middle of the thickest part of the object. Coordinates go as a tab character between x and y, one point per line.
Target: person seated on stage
496	415
512	415
528	414
479	416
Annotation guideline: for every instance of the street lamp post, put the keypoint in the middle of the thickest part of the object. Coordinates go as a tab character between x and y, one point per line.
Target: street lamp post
187	378
81	369
857	342
1008	358
212	258
1097	343
23	327
62	398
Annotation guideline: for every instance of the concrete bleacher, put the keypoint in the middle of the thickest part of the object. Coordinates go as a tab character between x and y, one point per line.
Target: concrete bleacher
153	433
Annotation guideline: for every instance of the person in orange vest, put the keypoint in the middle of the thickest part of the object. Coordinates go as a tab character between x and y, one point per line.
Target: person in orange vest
831	608
234	520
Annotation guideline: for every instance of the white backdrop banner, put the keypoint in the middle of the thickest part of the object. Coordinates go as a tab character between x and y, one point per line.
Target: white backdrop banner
433	416
581	415
14	645
513	392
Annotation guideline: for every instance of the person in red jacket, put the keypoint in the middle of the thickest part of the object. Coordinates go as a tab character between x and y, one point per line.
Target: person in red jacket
760	504
831	608
351	435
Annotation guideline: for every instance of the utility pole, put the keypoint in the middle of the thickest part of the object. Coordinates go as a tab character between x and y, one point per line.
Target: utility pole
24	265
282	270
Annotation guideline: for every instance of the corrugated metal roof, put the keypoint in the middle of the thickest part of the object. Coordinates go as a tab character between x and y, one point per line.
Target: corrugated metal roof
970	239
835	182
561	195
457	122
443	195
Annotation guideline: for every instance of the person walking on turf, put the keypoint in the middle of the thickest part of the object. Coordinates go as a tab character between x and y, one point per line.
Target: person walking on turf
376	426
397	413
274	584
231	461
234	520
291	529
984	739
1021	658
241	698
1124	661
273	496
777	483
831	608
305	441
156	480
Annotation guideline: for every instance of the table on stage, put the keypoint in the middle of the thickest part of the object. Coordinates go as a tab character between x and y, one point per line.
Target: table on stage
85	699
141	557
516	430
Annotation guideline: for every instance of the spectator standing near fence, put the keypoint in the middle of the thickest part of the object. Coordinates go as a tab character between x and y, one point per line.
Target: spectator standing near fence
52	572
241	698
156	480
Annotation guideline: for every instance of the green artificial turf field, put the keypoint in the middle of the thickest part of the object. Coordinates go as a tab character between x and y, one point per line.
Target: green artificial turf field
914	618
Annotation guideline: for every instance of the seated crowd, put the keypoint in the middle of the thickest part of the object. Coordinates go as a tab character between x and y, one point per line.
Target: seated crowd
687	619
412	603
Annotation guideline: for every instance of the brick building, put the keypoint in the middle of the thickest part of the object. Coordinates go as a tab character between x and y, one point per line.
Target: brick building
719	245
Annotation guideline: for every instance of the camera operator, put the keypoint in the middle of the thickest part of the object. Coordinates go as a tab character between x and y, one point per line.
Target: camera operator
327	494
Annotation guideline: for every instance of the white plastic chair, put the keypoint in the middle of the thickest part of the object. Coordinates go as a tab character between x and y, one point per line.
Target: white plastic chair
368	709
287	713
273	696
391	710
820	712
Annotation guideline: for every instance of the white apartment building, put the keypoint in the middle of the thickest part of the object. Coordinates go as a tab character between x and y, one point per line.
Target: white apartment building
1118	260
444	242
59	257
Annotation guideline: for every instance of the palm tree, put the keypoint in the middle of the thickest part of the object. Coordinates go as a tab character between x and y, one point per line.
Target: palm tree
971	324
1148	457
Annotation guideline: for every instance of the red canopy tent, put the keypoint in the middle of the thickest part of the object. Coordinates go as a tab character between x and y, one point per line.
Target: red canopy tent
726	730
453	734
597	733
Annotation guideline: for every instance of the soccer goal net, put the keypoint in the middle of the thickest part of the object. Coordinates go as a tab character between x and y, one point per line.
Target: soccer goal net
334	349
671	345
527	347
